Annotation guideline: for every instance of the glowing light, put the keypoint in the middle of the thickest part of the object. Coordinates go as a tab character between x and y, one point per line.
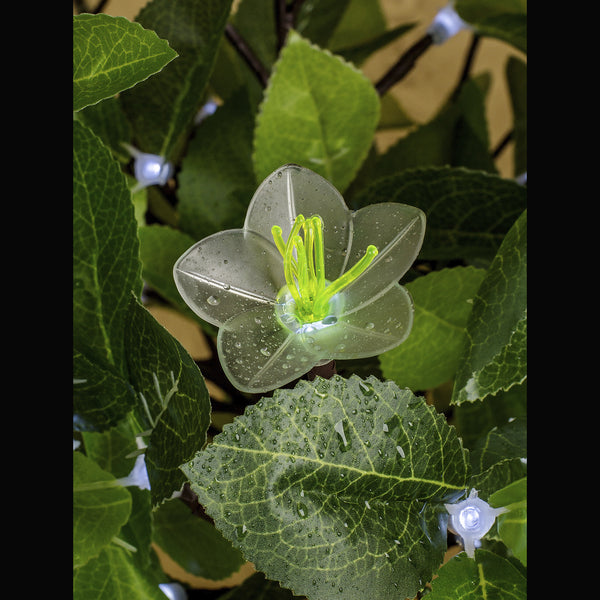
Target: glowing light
471	519
446	24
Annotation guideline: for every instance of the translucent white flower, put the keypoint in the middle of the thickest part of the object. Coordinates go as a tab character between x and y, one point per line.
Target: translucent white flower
306	281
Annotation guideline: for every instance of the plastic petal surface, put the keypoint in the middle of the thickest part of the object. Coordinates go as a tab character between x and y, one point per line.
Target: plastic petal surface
377	326
292	190
397	230
227	273
259	354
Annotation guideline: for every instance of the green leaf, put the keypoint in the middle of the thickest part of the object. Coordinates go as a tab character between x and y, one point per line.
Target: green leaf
363	20
318	19
516	77
255	22
505	20
107	120
430	355
160	247
115	575
216	182
335	485
100	509
194	543
468	212
474	419
319	112
162	109
495	353
512	526
110	448
106	269
500	457
501	443
173	400
111	54
488	576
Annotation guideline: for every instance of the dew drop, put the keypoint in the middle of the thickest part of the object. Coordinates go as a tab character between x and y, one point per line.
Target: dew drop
265	351
212	300
238	344
400	451
257	320
369	325
302	510
367	504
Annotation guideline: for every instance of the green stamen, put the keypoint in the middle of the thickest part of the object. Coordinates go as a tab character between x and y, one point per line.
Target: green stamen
305	271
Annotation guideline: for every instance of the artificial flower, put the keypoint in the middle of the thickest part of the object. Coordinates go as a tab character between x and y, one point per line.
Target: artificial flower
304	282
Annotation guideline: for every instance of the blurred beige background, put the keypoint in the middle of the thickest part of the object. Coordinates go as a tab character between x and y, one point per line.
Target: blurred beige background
424	89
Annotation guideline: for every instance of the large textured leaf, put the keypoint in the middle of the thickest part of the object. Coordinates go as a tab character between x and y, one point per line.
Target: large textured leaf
468	212
172	400
194	543
495	354
106	270
488	576
319	112
111	54
99	511
334	488
443	302
216	182
162	109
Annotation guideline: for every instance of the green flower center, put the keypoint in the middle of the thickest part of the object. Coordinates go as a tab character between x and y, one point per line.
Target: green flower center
304	269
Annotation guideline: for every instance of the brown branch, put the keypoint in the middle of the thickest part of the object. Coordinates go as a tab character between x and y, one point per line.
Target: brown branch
242	48
406	62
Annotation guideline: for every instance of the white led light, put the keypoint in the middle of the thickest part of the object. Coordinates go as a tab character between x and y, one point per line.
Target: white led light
471	519
149	169
446	24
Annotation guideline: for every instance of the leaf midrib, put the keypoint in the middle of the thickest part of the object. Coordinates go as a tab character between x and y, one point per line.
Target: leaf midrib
323	463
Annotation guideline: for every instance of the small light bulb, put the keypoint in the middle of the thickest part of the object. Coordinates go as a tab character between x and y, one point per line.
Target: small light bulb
149	169
471	519
446	24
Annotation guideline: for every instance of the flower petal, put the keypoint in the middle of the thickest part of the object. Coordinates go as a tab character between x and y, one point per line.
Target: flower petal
259	354
292	190
375	327
397	230
227	273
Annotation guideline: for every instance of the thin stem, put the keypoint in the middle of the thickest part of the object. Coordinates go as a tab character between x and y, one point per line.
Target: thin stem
282	22
406	62
467	66
503	143
242	48
100	7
